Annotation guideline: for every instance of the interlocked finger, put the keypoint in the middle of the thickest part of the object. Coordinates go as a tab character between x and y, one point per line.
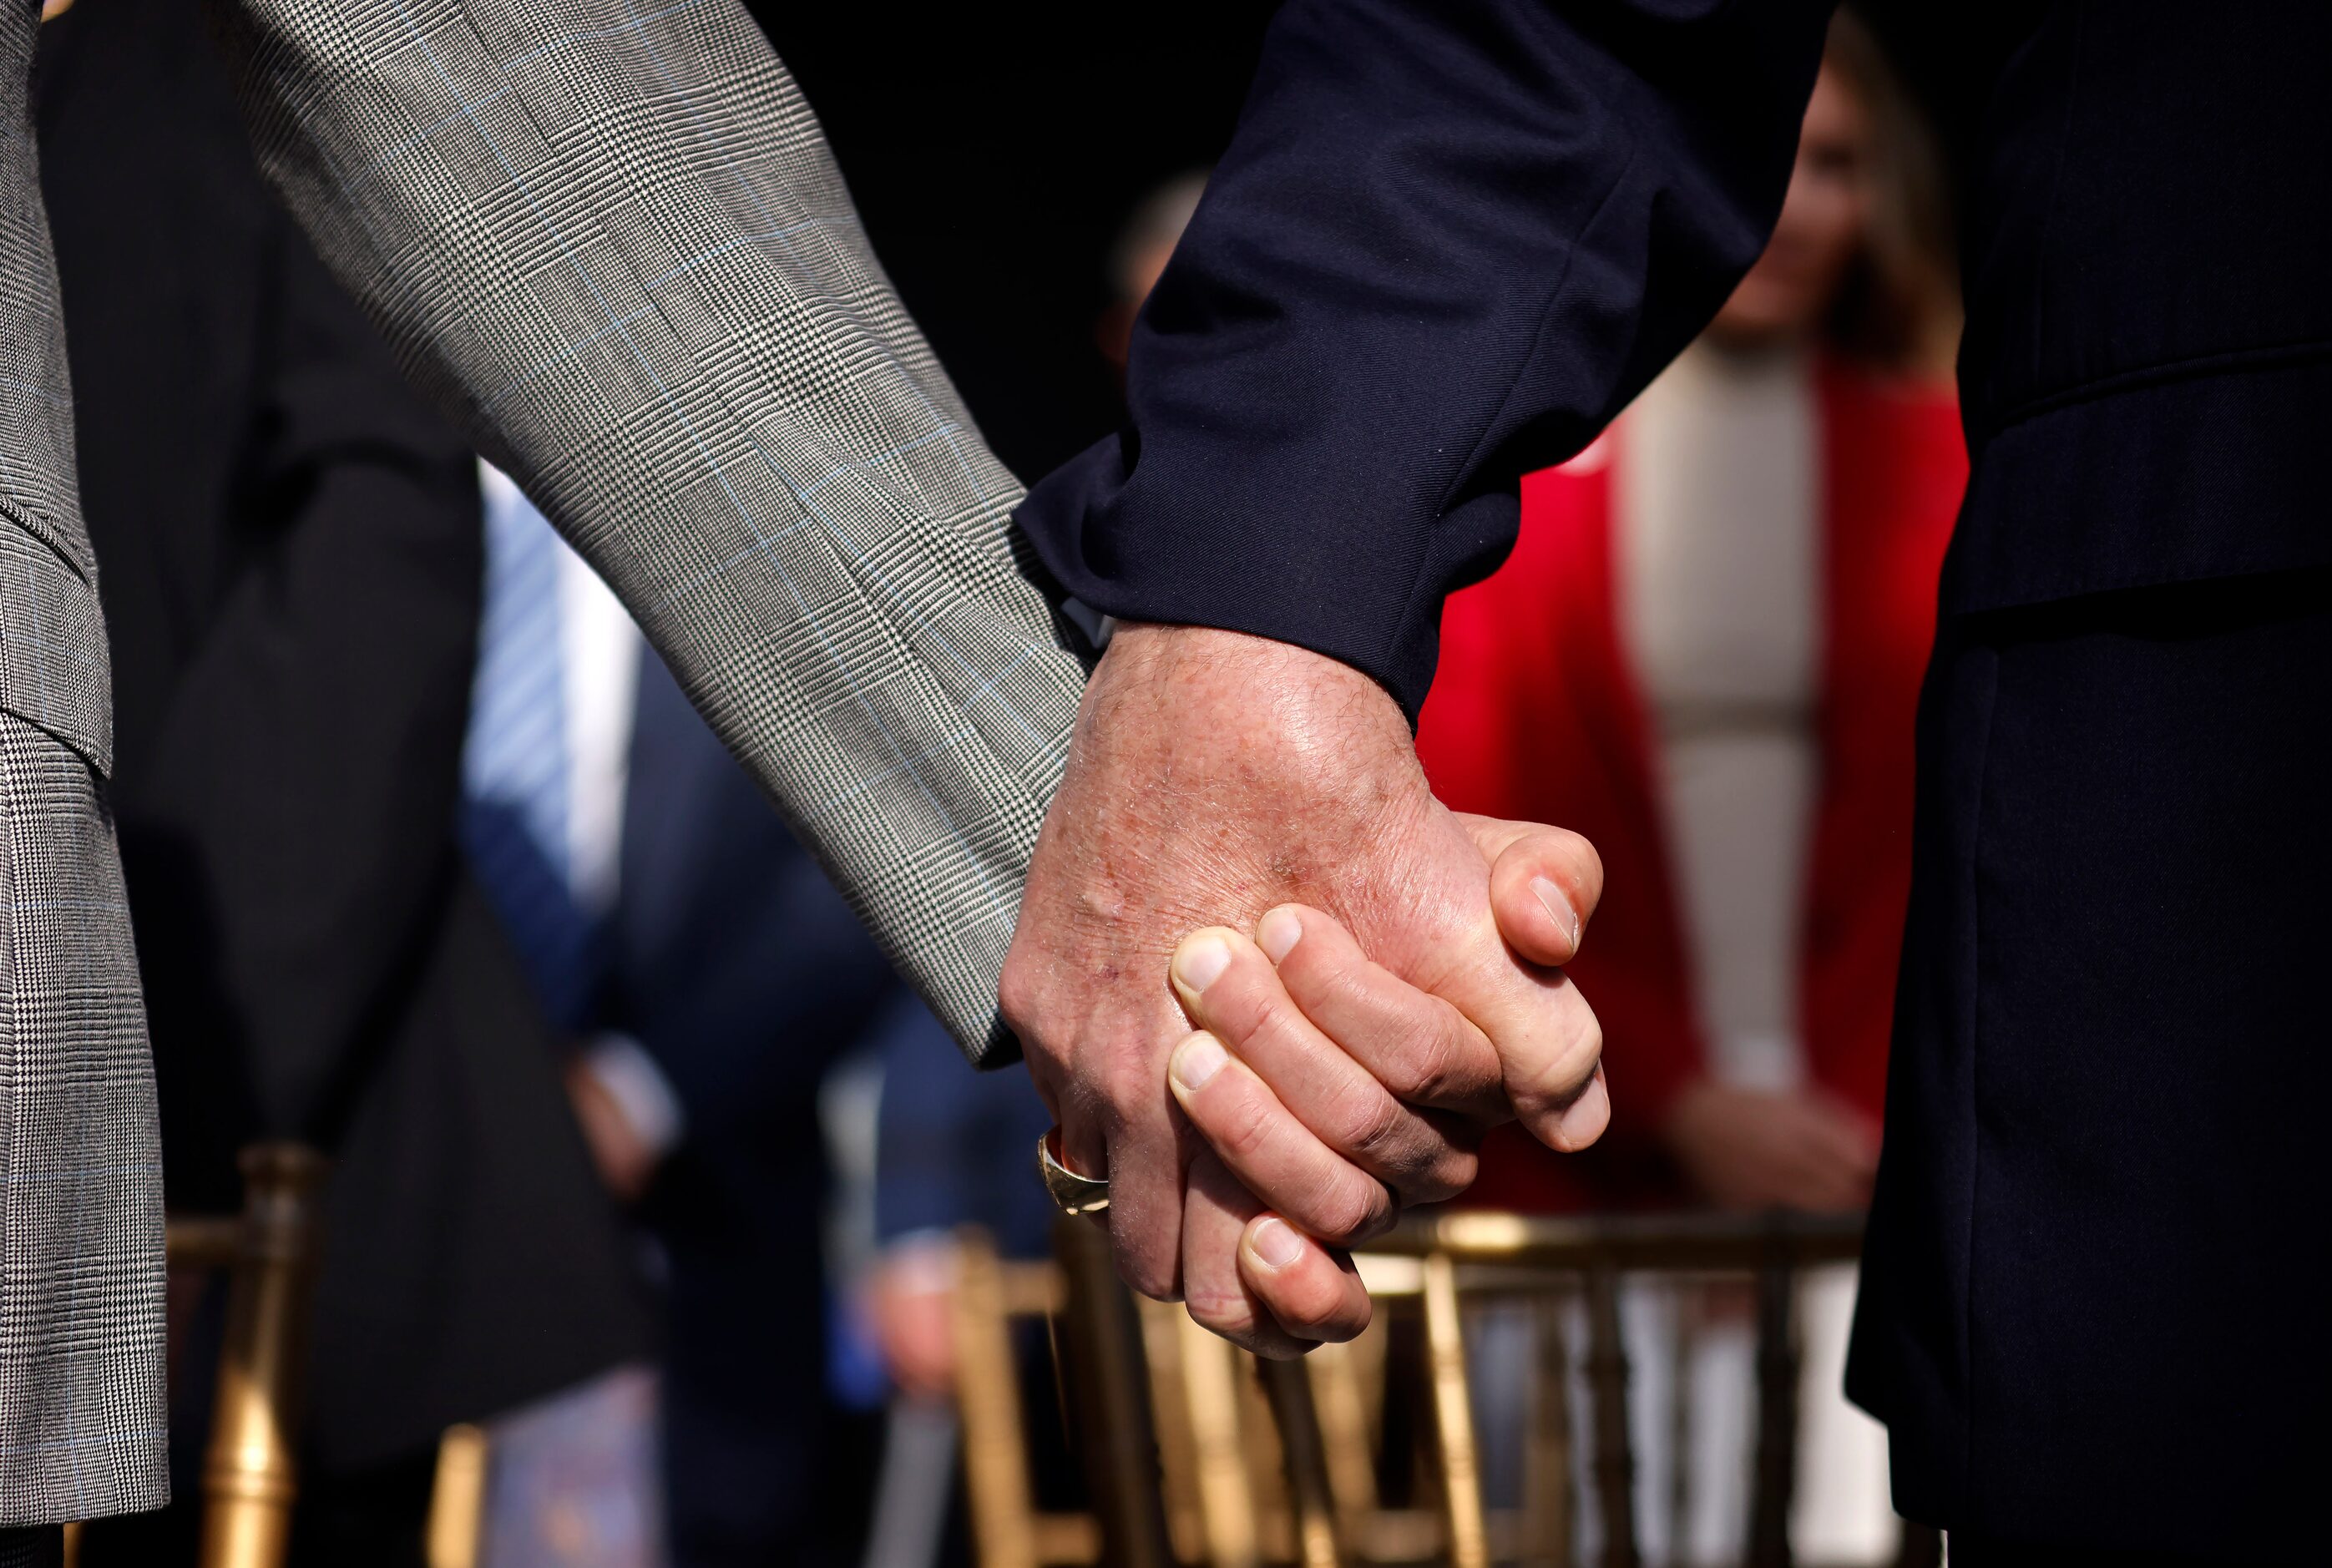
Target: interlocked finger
1251	1278
1544	884
1423	1050
1229	989
1314	1292
1271	1152
1215	1214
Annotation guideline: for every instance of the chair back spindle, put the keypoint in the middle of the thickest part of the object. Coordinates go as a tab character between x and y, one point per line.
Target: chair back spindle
1615	1454
1311	1498
1211	1375
1777	1418
1001	1501
249	1470
1453	1416
455	1533
1282	1462
1101	1344
1546	1477
1341	1407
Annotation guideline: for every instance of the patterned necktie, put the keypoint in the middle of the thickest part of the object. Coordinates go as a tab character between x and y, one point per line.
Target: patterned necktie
515	766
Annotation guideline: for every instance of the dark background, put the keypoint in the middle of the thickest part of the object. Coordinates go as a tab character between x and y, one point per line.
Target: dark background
994	152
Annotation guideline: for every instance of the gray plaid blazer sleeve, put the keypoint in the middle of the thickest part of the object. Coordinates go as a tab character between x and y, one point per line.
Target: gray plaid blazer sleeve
609	237
82	1414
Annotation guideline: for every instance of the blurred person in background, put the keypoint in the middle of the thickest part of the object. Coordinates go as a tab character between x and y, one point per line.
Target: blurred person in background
1136	258
703	975
1705	655
954	1148
289	547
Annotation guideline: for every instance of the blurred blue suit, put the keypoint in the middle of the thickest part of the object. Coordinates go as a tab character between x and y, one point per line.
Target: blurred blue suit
744	974
957	1147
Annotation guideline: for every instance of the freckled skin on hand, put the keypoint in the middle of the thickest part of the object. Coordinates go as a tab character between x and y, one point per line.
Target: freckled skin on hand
1213	777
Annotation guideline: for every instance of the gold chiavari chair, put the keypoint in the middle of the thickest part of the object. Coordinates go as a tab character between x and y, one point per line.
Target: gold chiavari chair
455	1535
1448	1259
1189	1455
267	1255
1216	1459
992	1296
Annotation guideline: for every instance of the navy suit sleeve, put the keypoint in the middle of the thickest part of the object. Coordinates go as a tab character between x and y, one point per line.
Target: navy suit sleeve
1450	240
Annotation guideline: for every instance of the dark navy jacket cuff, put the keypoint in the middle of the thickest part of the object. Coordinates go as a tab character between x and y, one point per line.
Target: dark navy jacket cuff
1210	554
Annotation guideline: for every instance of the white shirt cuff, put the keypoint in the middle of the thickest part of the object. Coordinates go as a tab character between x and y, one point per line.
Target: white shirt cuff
1098	628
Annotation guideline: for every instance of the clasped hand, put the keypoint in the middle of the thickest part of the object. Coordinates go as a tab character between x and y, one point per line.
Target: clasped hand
1273	989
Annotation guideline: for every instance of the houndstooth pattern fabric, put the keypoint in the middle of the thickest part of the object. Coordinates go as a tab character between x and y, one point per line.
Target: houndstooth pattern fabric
608	235
81	1176
43	1546
611	236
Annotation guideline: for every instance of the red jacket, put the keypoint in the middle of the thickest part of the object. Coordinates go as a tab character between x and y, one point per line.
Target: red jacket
1536	714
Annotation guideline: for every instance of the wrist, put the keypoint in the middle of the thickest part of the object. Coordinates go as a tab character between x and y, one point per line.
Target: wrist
1300	759
1274	703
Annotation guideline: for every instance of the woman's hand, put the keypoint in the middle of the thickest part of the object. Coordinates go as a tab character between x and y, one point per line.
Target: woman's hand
1753	1148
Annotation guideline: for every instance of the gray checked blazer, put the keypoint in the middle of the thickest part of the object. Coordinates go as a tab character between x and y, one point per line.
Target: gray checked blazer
607	235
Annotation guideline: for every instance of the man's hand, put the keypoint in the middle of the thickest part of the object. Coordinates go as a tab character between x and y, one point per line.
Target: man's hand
1215	777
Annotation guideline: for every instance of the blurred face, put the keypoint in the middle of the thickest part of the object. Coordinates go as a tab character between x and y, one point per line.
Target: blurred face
1824	221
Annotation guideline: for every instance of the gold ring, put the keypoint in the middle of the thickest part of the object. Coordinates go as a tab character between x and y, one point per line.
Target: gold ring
1082	1196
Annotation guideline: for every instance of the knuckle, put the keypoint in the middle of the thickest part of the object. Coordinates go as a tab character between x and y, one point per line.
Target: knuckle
1259	1015
1148	1273
1586	1041
1333	984
1238	1124
1152	1280
1353	1210
1017	994
1431	1066
1131	1082
1372	1126
1450	1173
1579	1046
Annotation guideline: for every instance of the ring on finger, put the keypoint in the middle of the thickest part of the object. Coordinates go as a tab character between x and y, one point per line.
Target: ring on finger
1080	1197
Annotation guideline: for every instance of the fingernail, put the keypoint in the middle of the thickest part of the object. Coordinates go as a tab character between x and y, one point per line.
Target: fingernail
1566	918
1583	1120
1199	1058
1281	930
1276	1243
1200	961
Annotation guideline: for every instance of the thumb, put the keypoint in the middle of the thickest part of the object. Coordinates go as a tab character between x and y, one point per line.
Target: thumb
1544	884
1508	981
